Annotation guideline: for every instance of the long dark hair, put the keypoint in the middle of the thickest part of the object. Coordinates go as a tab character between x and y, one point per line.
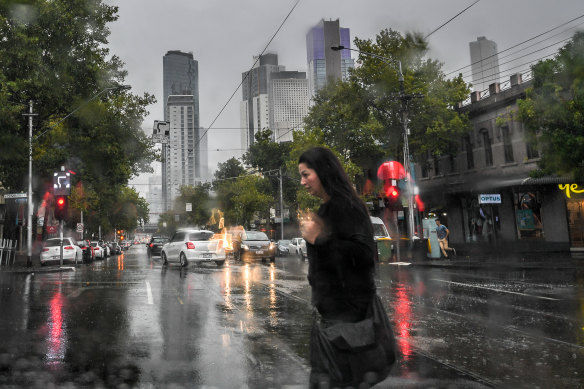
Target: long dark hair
332	176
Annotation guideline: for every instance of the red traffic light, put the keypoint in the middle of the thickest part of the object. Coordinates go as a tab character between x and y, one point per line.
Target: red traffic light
61	201
61	208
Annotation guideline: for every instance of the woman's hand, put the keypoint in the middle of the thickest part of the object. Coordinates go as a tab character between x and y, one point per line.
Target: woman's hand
310	227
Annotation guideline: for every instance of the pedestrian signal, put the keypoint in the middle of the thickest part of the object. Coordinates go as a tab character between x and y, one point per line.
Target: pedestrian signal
61	208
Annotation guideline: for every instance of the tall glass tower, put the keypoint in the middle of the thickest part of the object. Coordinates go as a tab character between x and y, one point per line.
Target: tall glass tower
324	64
484	61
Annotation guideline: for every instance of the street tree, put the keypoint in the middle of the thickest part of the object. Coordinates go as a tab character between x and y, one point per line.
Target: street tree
553	110
54	53
198	197
229	169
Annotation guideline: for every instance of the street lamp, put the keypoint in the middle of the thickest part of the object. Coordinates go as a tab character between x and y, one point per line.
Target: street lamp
404	111
30	114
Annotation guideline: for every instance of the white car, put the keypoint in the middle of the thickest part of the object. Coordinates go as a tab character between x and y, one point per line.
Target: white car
297	247
98	250
192	245
51	251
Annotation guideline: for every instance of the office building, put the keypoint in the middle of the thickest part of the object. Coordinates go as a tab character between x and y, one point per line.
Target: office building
484	63
324	64
288	101
254	108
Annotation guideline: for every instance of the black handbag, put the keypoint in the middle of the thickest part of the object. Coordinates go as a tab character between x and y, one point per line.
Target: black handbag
353	353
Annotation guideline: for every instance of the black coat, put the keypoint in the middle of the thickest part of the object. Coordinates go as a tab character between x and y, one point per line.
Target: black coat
341	262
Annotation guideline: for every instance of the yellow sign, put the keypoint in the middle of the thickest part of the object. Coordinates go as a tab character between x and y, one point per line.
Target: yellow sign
570	188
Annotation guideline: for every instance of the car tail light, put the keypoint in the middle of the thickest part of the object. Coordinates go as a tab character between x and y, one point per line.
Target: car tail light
68	248
46	249
190	245
151	244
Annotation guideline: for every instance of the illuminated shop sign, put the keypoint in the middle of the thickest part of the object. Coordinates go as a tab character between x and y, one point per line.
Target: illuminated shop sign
490	199
570	188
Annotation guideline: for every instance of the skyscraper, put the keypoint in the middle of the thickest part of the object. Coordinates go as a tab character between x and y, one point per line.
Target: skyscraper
184	161
254	108
288	99
484	63
324	64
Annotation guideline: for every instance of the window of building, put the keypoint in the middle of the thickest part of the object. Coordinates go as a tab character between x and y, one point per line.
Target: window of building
437	171
531	146
487	147
528	215
507	144
469	153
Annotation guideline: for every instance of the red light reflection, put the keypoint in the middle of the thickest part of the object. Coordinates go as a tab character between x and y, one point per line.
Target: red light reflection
56	344
403	320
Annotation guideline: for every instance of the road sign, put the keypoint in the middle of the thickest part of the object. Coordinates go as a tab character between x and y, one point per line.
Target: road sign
51	229
79	227
15	195
189	207
61	183
489	199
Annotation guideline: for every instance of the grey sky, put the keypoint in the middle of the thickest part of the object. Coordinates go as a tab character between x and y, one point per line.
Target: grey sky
224	35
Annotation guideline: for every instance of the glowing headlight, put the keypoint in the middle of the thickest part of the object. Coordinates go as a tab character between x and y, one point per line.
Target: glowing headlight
245	247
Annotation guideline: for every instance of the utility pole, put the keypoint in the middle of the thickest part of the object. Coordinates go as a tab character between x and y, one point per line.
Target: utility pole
29	197
281	207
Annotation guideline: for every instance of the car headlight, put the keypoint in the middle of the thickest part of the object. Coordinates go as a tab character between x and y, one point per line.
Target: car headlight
244	247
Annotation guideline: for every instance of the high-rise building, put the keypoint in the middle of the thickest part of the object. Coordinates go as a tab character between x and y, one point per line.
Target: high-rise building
484	63
326	65
254	108
288	100
185	157
181	153
154	198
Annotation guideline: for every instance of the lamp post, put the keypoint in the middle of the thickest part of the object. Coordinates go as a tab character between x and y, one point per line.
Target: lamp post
406	131
30	114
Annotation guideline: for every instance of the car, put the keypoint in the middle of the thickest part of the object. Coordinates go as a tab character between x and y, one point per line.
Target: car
193	245
99	251
115	248
51	251
125	245
155	245
87	248
106	249
382	239
297	247
283	249
256	244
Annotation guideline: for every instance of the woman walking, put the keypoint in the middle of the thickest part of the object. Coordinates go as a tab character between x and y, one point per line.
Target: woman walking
341	252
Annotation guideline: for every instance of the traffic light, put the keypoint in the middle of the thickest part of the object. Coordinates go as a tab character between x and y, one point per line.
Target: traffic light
392	195
120	234
61	207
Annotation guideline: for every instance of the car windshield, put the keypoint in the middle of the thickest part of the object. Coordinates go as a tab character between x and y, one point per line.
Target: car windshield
284	242
94	244
256	235
200	235
159	240
55	242
378	230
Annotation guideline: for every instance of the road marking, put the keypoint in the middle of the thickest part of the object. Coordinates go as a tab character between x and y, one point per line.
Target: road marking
496	290
179	300
149	293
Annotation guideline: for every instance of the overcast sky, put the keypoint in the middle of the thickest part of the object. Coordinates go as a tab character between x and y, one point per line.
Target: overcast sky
224	35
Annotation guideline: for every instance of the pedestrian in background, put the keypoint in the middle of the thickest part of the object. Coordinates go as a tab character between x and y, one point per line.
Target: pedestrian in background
341	252
442	232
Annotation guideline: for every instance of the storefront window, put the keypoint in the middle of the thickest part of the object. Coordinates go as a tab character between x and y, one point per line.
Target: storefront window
481	221
576	222
528	215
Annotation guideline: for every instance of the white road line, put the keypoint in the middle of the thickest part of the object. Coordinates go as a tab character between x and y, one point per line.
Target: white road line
149	293
496	290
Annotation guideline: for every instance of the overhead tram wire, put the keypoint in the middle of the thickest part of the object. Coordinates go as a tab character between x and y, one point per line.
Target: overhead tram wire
241	83
451	19
518	44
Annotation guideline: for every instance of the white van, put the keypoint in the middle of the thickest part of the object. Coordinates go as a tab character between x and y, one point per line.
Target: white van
382	239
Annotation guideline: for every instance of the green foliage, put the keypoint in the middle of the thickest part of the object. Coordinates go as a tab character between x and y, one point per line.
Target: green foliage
229	169
198	197
553	110
54	53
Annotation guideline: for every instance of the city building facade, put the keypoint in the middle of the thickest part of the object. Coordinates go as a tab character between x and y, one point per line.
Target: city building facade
254	107
484	59
288	104
484	193
326	65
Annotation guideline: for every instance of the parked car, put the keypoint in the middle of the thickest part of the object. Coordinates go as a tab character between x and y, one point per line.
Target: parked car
256	244
125	245
193	245
383	242
106	249
99	251
51	251
297	247
155	245
283	249
87	248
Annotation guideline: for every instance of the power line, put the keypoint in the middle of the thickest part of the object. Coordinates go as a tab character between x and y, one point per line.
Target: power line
451	19
516	45
241	83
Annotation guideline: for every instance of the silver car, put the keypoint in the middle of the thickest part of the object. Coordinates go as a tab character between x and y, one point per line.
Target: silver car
297	247
193	245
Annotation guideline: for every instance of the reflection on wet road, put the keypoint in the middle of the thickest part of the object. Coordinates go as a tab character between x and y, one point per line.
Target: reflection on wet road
129	321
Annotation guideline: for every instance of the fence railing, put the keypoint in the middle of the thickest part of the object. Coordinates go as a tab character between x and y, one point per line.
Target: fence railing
7	251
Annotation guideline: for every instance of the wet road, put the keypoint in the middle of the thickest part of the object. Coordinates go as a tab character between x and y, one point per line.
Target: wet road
130	322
